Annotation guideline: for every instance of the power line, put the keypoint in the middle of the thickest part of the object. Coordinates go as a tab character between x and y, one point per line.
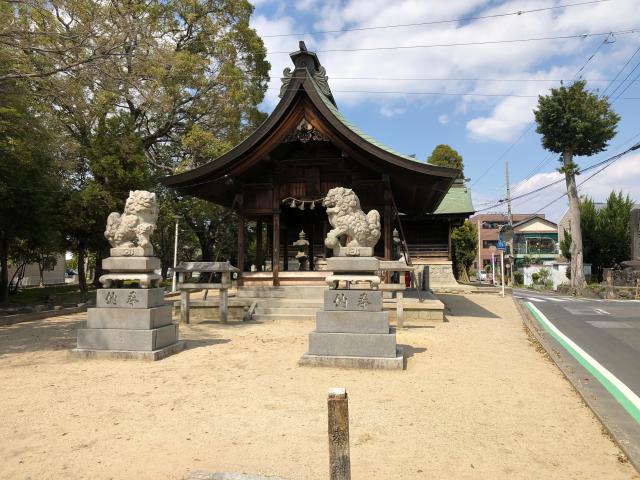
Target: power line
434	22
621	70
466	44
606	163
628	85
456	94
624	80
462	79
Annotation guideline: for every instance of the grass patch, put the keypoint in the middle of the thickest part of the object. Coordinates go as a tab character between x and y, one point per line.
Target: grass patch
53	294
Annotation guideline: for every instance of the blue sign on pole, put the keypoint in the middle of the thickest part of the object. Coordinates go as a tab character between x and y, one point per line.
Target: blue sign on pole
501	245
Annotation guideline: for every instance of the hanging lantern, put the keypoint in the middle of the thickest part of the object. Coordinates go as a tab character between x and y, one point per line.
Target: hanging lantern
293	204
301	207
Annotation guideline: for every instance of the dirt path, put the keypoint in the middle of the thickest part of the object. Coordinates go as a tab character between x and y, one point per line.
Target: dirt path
477	401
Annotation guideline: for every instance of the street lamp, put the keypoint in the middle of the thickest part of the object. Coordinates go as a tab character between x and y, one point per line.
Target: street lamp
175	253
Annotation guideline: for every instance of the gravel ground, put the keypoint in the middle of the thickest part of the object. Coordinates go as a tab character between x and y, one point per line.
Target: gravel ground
478	400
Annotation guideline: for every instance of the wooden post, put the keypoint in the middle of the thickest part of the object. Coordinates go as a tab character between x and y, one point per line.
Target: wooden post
259	250
339	461
184	301
225	281
450	258
388	236
399	309
275	265
240	246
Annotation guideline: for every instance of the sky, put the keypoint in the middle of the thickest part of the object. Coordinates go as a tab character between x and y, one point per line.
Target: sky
477	98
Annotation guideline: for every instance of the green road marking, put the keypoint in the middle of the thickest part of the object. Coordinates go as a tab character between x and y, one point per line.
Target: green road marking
625	397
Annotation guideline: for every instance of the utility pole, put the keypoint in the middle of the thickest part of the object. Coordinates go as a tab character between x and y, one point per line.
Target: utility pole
510	219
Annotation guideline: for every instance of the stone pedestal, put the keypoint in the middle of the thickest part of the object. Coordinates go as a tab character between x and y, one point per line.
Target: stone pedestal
129	323
352	331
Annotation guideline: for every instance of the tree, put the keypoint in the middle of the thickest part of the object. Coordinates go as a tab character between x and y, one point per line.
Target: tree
139	90
464	245
573	121
446	156
606	232
28	179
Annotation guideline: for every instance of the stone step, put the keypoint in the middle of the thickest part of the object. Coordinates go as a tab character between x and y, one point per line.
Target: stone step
269	310
265	317
289	292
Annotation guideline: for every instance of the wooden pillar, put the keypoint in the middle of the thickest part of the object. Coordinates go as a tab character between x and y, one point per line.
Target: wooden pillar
275	265
240	246
285	248
449	241
338	409
184	302
388	233
324	235
225	281
259	250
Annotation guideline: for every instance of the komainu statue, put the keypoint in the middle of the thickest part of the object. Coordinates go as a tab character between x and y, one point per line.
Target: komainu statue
348	220
136	224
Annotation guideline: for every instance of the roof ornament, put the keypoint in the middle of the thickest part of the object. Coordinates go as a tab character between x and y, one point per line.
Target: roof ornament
304	132
304	59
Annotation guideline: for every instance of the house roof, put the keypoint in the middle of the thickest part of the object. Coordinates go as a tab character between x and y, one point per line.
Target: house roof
457	201
417	187
532	218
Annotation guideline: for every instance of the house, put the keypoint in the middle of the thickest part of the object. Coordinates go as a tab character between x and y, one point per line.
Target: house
532	239
489	225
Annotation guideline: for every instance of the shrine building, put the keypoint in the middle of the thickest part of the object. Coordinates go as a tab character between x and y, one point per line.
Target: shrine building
277	177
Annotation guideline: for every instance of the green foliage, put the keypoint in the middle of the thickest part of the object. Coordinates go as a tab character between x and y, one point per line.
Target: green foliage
605	232
518	278
535	277
544	276
529	260
571	119
28	183
464	246
446	156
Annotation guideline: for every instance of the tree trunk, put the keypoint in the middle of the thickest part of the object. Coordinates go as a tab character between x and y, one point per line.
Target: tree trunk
4	265
577	270
82	279
100	253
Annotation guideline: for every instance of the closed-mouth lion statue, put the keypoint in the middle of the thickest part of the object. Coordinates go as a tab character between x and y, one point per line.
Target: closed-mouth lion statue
136	224
348	220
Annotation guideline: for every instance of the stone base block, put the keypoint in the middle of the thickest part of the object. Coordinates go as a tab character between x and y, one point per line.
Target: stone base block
354	300
129	318
146	280
394	363
334	280
131	251
353	344
125	339
353	264
131	264
128	354
352	322
353	252
133	298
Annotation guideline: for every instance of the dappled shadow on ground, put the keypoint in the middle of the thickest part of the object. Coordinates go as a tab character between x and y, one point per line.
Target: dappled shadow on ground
204	342
58	334
460	306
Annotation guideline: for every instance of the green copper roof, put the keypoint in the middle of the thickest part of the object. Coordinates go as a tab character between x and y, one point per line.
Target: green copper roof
457	200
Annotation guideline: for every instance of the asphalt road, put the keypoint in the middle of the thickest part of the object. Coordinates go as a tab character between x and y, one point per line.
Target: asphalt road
608	330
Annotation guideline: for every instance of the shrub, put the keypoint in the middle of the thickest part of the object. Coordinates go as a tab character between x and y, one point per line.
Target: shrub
518	277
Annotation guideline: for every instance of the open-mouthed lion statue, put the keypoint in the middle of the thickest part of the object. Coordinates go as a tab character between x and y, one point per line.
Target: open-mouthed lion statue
348	220
136	224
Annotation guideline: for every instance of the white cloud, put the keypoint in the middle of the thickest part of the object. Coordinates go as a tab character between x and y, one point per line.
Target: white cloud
491	118
620	176
443	119
388	111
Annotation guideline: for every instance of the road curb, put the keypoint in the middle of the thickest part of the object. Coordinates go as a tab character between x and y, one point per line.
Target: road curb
620	426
